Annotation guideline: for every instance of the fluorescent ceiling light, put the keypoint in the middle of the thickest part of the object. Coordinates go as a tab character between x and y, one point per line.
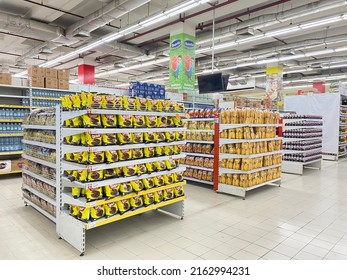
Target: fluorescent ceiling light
282	31
322	22
334	66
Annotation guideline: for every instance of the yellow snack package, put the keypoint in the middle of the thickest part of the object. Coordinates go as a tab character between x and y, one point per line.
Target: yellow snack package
158	181
109	120
109	139
67	102
75	140
168	179
148	199
75	192
161	137
178	191
94	101
67	123
97	212
76	101
83	214
149	137
150	167
159	165
110	173
180	135
84	158
125	138
170	136
141	104
159	151
170	122
125	121
81	176
176	149
110	101
168	194
129	103
137	153
73	210
137	185
177	121
93	194
151	121
123	205
76	122
110	209
141	169
148	183
162	121
148	152
158	196
83	192
136	201
178	177
130	170
139	121
111	156
69	157
170	164
111	190
179	107
125	188
95	175
168	150
96	157
91	120
137	137
125	154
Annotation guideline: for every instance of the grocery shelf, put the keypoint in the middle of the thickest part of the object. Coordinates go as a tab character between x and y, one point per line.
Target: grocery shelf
200	119
11	121
342	144
40	144
343	124
66	165
295	167
43	127
226	155
301	151
302	119
303	126
200	141
39	194
14	96
38	208
14	106
66	115
343	114
11	172
197	167
343	106
200	155
67	198
239	191
73	131
342	154
235	125
118	217
343	134
233	171
11	153
28	87
201	130
197	180
235	141
11	134
92	185
285	139
40	177
71	148
41	161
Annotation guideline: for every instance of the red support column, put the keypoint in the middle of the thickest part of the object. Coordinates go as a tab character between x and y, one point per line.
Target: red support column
86	74
216	153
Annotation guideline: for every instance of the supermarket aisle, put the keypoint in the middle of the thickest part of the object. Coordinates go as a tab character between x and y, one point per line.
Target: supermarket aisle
304	219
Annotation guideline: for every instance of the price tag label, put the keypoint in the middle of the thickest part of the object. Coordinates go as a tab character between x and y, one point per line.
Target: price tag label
89	111
89	131
90	168
92	204
170	158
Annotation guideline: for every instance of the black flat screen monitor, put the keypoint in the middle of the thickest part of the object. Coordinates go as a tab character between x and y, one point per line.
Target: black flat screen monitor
210	83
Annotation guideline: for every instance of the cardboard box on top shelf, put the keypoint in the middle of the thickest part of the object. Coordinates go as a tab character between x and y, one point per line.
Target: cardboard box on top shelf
63	84
17	164
51	73
5	78
36	82
35	71
51	83
63	74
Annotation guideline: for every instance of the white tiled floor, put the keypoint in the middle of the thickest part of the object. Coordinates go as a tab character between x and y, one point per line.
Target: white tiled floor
306	218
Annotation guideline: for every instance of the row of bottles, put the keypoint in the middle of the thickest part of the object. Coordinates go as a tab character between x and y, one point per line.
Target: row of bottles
41	103
13	114
11	144
46	93
10	128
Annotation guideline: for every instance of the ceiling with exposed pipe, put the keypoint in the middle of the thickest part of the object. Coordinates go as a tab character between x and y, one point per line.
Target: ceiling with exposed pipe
128	39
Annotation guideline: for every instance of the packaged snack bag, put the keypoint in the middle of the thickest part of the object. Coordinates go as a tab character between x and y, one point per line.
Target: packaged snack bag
110	209
136	201
111	156
112	190
125	121
93	194
148	199
91	120
109	120
123	205
97	212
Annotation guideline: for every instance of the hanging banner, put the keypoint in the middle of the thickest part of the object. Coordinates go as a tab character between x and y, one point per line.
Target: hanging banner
182	62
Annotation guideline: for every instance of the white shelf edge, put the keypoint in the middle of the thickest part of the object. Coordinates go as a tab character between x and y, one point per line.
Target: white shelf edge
40	144
300	139
71	148
303	119
200	119
236	125
201	130
43	127
342	154
291	127
39	194
234	141
302	163
226	155
39	209
39	177
28	87
197	180
233	171
200	142
301	152
340	145
197	167
41	161
199	155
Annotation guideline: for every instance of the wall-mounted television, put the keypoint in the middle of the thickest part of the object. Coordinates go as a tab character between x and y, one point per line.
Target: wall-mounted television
210	83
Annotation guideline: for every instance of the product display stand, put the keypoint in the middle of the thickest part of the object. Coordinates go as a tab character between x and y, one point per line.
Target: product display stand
343	128
302	143
251	161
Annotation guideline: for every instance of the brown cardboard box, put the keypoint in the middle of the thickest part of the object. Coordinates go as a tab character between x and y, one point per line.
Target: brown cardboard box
17	164
36	82
5	78
51	73
51	83
63	84
63	74
35	71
